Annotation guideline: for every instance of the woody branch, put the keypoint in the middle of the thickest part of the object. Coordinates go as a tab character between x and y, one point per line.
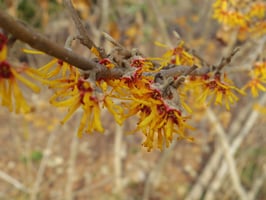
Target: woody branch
38	41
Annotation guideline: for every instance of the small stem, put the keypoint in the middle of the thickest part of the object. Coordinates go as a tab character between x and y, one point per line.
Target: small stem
180	80
5	177
84	38
71	167
179	70
41	43
40	174
225	61
228	156
154	175
118	159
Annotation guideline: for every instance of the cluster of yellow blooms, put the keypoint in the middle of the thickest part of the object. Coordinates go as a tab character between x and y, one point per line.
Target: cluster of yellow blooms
161	110
247	16
176	56
216	88
258	79
10	76
158	120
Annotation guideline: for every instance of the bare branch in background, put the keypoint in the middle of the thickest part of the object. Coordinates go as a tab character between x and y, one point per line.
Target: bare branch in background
161	23
257	185
118	151
245	130
11	180
156	172
39	177
83	37
228	155
210	169
69	195
41	43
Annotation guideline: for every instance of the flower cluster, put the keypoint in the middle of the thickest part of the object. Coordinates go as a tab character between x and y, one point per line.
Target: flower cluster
247	16
176	56
159	103
216	88
258	79
10	76
74	92
158	120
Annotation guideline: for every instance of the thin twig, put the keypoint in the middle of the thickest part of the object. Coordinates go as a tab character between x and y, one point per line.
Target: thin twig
84	38
94	186
179	70
226	60
228	155
251	51
118	159
43	44
9	179
110	39
205	176
155	173
245	130
71	167
105	10
160	21
257	185
39	177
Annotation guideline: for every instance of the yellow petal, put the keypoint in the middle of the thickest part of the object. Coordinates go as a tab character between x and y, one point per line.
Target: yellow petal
20	102
73	100
3	53
97	119
31	51
71	110
44	69
28	83
83	123
147	119
6	94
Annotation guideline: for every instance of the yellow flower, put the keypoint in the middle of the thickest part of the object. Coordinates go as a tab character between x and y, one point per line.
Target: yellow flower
3	48
74	93
257	9
54	67
258	79
259	28
9	89
221	4
176	56
260	69
227	13
230	18
220	92
10	77
107	63
158	121
255	85
260	108
143	65
114	109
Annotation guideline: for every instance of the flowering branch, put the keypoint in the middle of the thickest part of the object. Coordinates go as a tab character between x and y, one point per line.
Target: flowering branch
125	81
39	42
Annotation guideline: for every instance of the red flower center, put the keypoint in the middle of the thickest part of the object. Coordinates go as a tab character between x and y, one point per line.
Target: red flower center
3	41
5	71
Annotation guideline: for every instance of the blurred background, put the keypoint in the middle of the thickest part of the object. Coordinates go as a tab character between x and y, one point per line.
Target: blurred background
40	159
